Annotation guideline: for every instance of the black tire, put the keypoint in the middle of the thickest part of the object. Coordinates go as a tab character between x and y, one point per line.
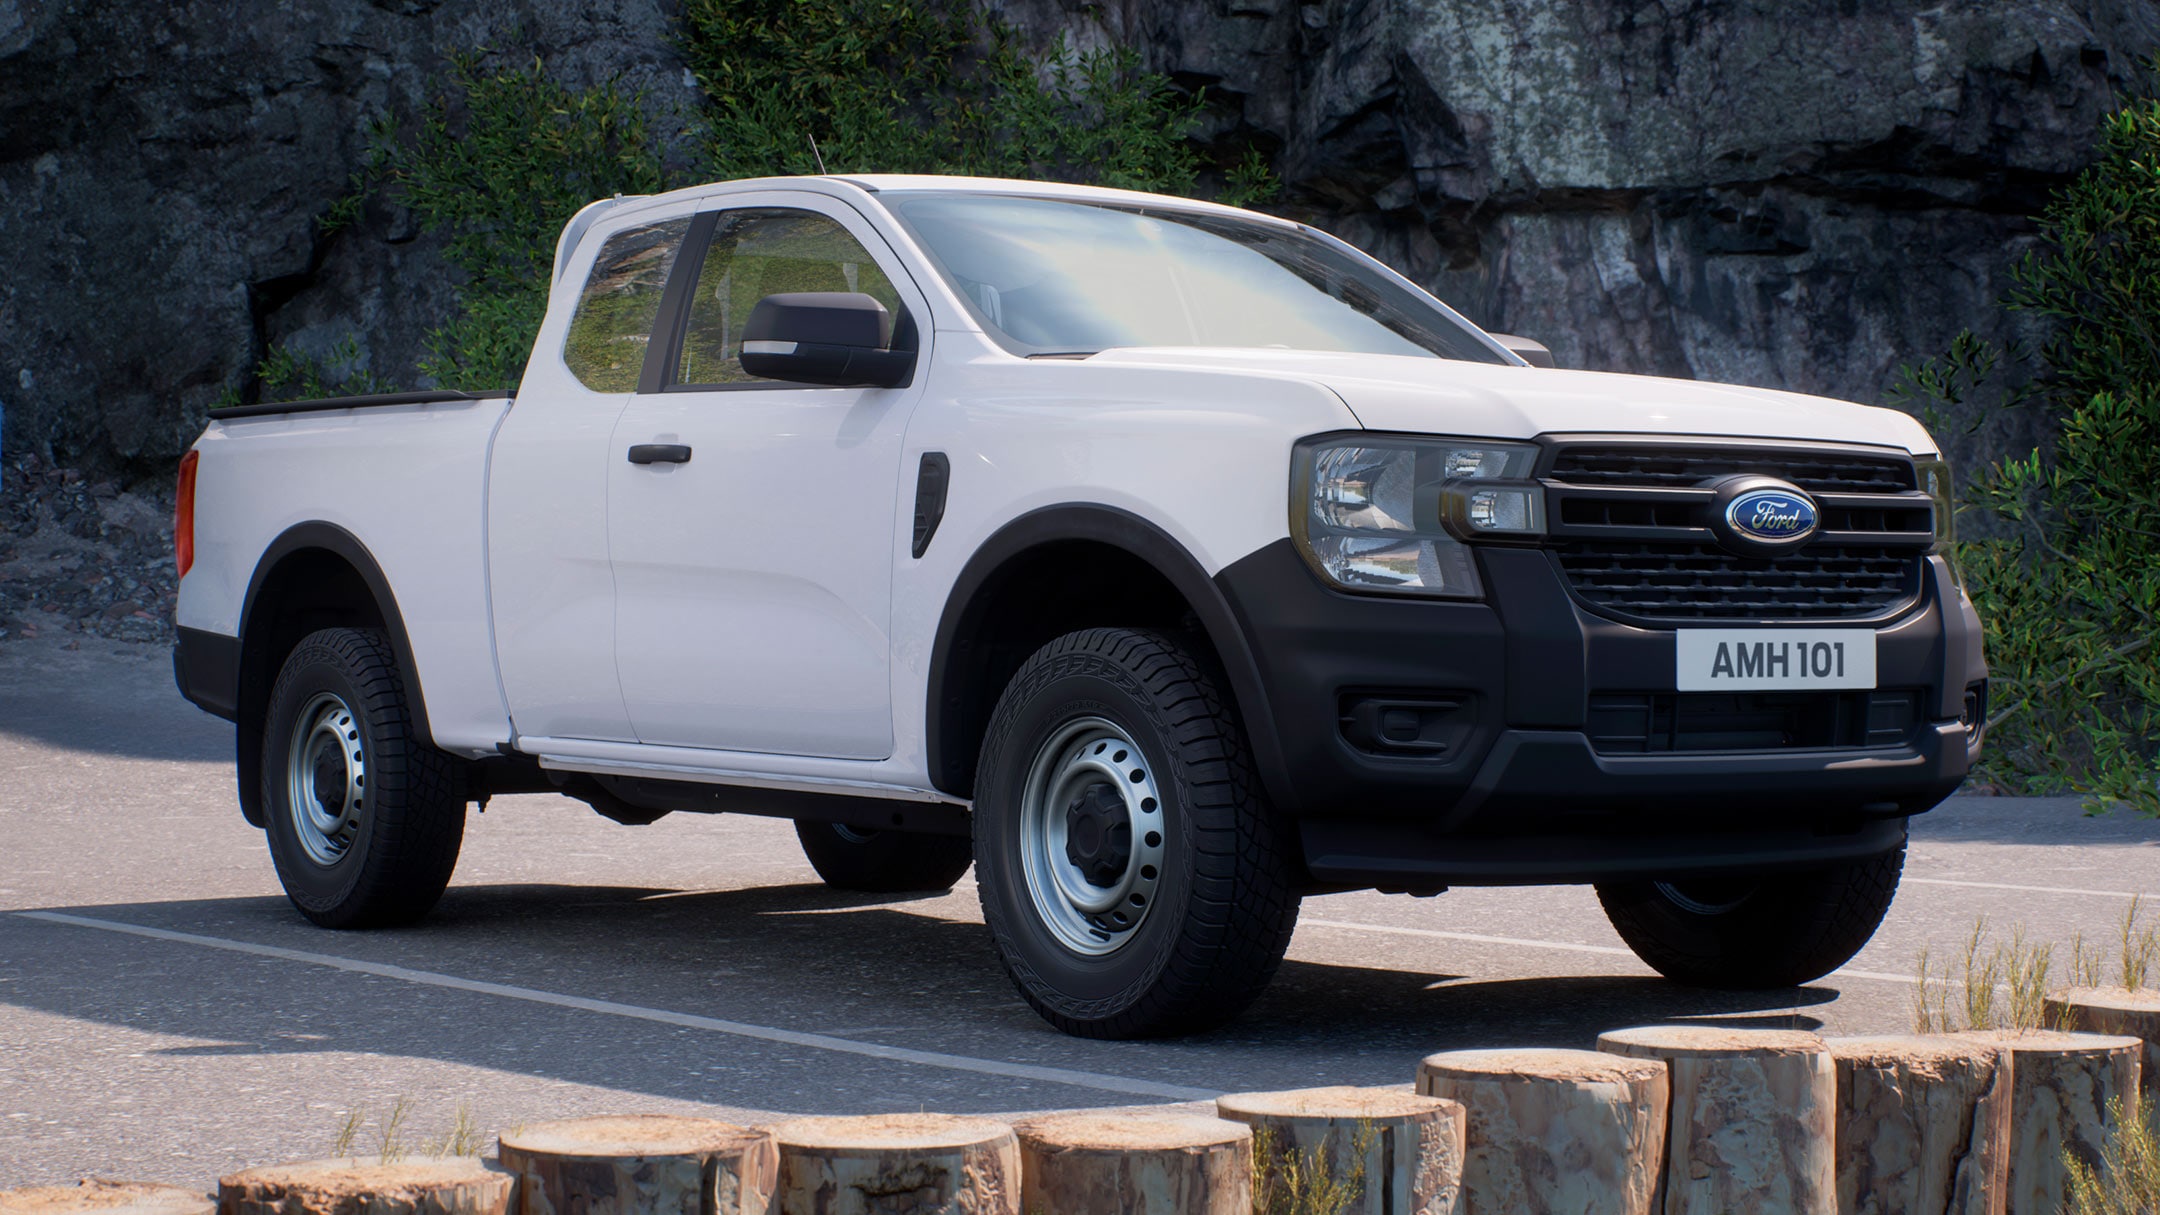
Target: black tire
387	860
1778	930
1223	899
884	862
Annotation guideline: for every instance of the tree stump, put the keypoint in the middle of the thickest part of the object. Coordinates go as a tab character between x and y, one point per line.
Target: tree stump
2060	1086
2133	1012
98	1197
1923	1126
897	1164
1559	1132
1135	1164
1406	1150
1753	1128
643	1164
450	1185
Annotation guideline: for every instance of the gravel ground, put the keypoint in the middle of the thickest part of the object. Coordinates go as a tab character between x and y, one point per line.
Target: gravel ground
82	556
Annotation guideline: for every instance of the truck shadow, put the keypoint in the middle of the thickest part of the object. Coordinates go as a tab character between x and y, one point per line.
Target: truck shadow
915	974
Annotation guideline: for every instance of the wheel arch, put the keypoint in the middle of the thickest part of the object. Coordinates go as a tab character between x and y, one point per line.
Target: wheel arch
314	575
969	669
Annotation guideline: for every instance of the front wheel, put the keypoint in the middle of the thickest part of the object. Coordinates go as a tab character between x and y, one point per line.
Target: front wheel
1776	930
1134	880
365	818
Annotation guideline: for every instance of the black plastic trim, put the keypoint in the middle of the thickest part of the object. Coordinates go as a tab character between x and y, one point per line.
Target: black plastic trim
869	813
1135	535
932	477
206	666
373	401
663	351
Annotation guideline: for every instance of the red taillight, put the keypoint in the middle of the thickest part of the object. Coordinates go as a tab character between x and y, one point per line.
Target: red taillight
183	527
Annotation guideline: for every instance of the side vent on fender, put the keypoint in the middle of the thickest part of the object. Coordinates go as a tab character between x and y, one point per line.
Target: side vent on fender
930	481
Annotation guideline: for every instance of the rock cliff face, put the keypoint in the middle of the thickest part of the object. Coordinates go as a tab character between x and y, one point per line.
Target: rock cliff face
1795	193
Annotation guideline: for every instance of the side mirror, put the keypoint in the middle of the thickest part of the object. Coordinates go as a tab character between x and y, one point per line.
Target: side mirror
1531	352
839	338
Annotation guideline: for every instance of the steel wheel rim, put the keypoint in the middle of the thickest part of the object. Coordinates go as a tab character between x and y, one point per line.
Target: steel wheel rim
326	779
1076	763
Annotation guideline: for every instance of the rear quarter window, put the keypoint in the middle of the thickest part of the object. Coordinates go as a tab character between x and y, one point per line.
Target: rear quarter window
605	347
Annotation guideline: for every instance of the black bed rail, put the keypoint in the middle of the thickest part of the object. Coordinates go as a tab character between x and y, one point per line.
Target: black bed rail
435	396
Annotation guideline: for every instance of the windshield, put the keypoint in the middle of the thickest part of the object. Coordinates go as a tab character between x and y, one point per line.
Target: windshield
1054	276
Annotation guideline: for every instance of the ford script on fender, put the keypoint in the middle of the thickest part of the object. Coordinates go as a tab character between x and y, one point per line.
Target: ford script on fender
1771	660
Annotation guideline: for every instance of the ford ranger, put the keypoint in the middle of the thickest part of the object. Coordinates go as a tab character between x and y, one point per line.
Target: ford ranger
1163	561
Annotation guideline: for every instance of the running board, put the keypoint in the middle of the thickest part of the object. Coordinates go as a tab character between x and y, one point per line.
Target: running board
848	810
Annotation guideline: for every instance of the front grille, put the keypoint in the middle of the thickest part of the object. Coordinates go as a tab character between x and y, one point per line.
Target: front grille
1633	532
1704	582
1818	472
1650	722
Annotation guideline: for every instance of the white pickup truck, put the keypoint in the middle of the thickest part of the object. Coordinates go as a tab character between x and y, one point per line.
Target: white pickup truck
1164	561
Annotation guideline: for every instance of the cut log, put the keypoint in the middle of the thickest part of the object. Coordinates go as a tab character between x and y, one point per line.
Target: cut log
1135	1164
1403	1150
642	1164
2060	1086
1753	1122
1570	1131
450	1185
1923	1126
2133	1012
98	1197
897	1164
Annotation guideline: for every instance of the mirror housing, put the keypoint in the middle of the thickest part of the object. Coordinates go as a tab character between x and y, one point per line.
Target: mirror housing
1526	349
837	338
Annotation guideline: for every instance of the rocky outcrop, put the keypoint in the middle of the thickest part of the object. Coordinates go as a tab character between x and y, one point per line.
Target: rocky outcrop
1797	193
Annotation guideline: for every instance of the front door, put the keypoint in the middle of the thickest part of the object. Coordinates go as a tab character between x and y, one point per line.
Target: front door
753	578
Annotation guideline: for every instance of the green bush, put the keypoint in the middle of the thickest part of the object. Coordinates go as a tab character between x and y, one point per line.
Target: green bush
2067	581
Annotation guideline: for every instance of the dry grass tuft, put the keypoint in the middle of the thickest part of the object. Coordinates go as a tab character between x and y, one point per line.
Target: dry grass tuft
1287	1181
2128	1179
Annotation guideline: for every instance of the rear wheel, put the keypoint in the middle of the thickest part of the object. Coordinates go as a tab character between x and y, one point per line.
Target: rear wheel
883	862
1774	930
364	818
1134	880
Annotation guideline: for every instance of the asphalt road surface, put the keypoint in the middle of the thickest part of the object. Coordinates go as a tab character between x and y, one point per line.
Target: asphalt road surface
164	1014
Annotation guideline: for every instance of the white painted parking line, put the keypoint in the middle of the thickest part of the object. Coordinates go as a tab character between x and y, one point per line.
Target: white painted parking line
787	1037
1478	938
2105	894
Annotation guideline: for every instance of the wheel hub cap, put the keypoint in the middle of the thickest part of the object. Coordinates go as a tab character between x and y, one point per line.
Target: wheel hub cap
1092	835
326	779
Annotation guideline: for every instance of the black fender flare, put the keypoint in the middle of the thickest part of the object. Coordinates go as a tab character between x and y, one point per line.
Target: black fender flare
1145	541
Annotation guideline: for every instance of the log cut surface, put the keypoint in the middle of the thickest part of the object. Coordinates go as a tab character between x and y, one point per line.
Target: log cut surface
1144	1164
2132	1012
1753	1119
106	1198
1555	1130
1923	1126
2060	1087
454	1185
644	1164
1413	1145
897	1164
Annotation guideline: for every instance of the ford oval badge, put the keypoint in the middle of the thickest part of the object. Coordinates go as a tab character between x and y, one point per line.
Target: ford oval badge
1774	516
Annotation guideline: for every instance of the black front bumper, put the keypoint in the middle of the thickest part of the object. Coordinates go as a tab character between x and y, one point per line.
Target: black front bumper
1427	743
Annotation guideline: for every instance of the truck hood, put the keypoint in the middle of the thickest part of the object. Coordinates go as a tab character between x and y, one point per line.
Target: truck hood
1446	396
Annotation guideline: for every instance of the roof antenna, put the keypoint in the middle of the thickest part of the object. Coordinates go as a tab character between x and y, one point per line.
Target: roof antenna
820	157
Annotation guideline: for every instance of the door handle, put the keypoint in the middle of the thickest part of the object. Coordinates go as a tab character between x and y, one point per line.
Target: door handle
660	453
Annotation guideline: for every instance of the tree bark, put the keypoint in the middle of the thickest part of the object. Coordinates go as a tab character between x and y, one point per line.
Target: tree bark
1570	1132
2130	1012
897	1164
645	1164
1752	1128
1923	1126
1404	1149
98	1197
1135	1164
2060	1087
450	1185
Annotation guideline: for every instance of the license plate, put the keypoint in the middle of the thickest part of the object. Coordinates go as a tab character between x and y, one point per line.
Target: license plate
1770	660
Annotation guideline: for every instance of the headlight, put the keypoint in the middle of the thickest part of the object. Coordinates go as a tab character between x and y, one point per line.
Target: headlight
1381	513
1935	482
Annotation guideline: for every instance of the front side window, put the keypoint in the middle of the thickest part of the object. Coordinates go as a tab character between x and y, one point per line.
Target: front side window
605	347
1053	276
761	251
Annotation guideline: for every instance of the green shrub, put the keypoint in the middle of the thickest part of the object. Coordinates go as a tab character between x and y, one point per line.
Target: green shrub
2128	1179
2067	581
